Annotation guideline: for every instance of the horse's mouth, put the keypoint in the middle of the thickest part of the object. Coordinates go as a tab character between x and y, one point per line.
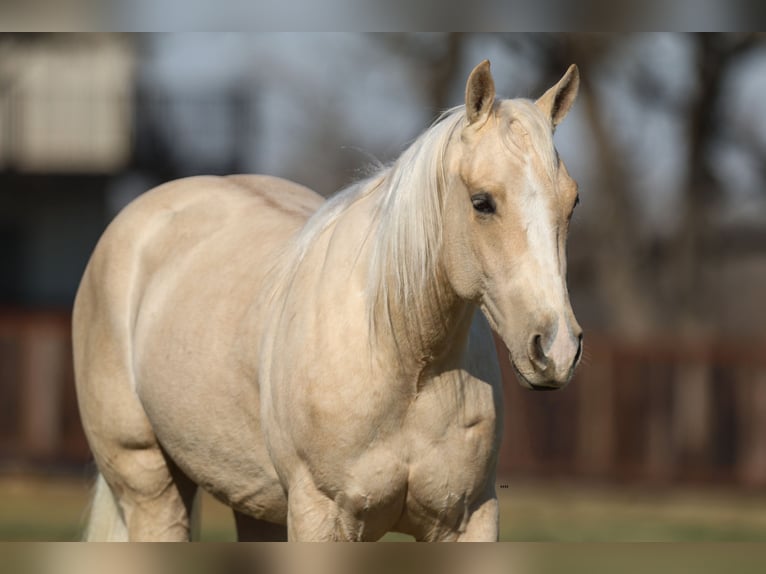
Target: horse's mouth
529	384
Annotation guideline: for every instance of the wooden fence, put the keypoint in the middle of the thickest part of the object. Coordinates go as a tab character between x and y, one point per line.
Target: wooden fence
39	420
660	411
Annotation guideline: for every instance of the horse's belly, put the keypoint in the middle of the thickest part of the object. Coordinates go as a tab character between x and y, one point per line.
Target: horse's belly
204	405
243	479
218	444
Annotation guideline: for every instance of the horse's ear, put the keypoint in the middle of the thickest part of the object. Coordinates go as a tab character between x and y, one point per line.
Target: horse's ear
558	99
479	93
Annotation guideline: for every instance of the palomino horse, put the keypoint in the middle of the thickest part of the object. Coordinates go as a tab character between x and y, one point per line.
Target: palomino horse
321	367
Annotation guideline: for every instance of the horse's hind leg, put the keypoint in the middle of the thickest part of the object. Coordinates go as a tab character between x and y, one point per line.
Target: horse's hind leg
154	497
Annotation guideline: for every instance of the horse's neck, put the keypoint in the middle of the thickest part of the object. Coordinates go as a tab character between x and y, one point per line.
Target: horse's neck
429	336
444	339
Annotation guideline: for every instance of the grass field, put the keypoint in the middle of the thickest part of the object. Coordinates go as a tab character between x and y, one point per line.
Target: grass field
38	508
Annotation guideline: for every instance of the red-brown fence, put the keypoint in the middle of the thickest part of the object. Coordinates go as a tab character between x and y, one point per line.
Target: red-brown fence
662	410
659	411
39	420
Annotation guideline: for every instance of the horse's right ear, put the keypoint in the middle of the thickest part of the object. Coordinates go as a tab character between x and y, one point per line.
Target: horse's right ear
479	94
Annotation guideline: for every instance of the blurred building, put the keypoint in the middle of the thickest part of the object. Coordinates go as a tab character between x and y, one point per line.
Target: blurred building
66	112
80	135
67	104
82	132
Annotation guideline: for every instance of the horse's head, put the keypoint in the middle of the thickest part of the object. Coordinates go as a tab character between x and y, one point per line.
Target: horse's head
506	217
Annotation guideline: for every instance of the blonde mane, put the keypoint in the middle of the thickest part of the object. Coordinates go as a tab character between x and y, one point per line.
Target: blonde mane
406	240
407	244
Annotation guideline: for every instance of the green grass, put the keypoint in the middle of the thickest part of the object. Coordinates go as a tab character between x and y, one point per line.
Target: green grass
36	508
567	512
46	509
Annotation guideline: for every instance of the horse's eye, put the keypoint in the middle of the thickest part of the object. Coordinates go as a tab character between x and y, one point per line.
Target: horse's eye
483	203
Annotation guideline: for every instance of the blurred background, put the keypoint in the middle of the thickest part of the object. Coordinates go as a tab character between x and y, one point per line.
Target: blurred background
662	434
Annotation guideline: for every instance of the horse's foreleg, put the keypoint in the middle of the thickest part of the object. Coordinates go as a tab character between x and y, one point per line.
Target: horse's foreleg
312	516
482	523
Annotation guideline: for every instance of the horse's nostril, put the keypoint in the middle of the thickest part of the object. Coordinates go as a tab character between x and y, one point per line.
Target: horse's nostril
537	353
579	350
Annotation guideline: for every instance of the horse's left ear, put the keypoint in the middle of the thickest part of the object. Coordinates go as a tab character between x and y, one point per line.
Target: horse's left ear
479	94
558	99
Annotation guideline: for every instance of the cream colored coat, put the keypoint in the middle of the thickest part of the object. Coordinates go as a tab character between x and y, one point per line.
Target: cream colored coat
331	376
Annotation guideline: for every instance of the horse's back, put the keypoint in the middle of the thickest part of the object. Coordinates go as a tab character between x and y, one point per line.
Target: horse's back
174	217
159	315
163	230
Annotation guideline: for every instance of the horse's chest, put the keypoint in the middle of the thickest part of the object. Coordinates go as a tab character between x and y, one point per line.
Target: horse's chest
457	462
425	482
453	453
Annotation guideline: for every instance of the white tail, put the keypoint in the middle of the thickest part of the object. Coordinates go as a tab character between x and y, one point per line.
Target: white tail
105	523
